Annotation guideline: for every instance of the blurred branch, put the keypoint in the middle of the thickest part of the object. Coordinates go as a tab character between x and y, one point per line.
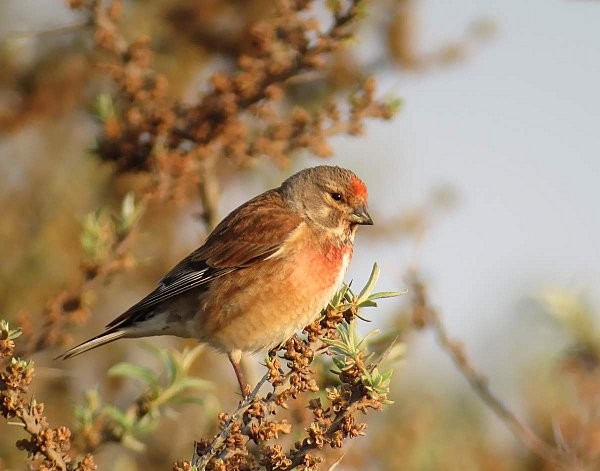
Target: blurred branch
55	31
208	190
99	424
306	58
246	113
417	221
402	38
425	315
106	243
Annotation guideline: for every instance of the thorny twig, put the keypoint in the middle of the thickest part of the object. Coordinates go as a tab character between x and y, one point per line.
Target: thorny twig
218	441
425	315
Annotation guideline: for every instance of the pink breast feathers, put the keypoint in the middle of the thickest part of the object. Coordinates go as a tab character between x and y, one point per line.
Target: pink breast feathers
329	264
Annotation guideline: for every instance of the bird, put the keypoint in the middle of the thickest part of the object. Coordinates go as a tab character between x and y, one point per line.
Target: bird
265	271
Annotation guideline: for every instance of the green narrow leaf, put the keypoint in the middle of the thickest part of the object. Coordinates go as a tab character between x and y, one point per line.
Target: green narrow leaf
373	277
367	303
387	294
363	342
171	366
189	356
118	416
103	107
128	208
129	370
191	382
180	400
131	211
340	364
388	374
166	358
129	441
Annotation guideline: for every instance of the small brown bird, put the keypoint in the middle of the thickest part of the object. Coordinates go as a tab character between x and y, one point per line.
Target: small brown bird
267	269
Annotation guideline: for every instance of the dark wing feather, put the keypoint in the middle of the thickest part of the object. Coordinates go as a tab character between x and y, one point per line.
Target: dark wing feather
250	234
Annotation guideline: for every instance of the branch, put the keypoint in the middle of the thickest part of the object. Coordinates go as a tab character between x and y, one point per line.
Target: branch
54	31
208	190
199	115
200	461
424	314
64	308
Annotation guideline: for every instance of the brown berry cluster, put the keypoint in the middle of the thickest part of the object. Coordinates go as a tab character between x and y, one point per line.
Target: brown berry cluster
257	435
47	448
247	112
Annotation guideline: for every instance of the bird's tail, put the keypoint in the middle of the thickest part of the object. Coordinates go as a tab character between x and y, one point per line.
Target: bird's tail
94	342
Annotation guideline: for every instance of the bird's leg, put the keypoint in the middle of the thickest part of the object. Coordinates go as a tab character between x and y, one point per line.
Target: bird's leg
235	357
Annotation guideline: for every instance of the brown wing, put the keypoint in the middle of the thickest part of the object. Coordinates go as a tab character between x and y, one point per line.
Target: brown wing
250	234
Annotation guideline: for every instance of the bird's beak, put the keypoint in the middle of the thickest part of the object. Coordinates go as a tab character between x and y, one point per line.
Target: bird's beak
361	216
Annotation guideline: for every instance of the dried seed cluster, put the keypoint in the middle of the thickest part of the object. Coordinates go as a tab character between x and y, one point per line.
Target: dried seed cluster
47	448
252	441
246	113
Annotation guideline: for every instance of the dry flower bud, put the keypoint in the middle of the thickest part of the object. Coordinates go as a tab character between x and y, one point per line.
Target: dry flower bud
115	9
221	82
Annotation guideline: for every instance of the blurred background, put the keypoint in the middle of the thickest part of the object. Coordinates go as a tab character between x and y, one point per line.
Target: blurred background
485	183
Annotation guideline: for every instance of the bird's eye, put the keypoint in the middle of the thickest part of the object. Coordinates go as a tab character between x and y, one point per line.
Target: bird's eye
336	196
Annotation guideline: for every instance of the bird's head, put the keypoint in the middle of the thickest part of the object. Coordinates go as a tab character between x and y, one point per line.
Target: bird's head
330	197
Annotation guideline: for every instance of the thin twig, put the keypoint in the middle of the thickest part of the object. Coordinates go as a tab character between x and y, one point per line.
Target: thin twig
88	282
478	382
54	31
209	192
219	439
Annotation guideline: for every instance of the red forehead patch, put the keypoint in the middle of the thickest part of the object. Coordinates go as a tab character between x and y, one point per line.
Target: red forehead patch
358	187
